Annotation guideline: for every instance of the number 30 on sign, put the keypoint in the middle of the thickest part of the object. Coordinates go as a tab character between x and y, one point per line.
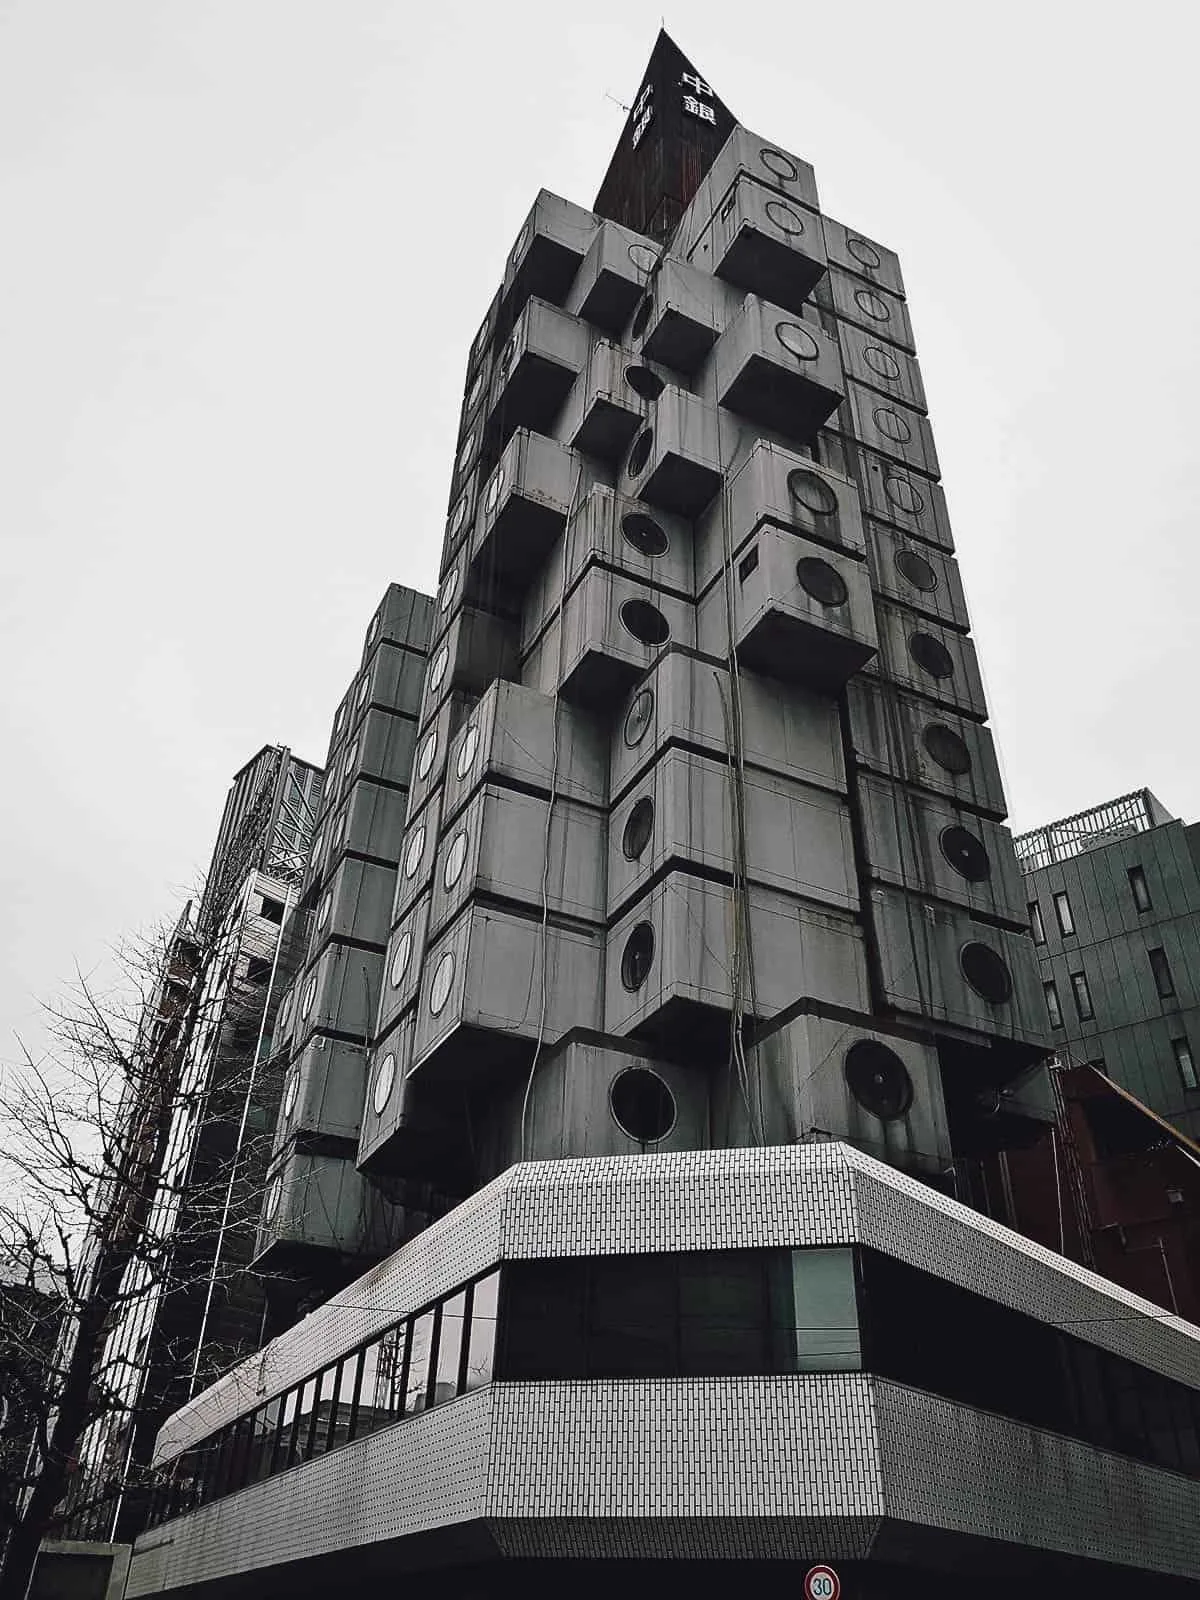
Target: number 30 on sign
822	1583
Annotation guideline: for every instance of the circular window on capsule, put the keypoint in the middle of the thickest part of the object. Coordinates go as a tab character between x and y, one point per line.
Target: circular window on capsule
466	452
914	569
931	655
449	590
811	493
642	1105
797	341
416	849
640	454
457	518
892	425
965	853
466	751
310	994
643	382
639	827
641	316
339	829
986	972
645	622
456	860
878	1080
779	165
364	689
637	958
385	1078
947	748
881	362
400	958
904	495
426	754
438	670
784	218
495	489
324	908
273	1196
638	718
643	257
474	391
872	305
824	583
291	1090
348	765
644	534
443	982
865	254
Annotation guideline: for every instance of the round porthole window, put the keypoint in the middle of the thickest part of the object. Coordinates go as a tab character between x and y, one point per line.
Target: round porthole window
385	1077
506	357
318	846
914	569
644	382
474	391
373	630
519	248
339	830
881	363
823	582
810	493
467	451
641	316
986	972
495	489
639	826
865	254
285	1009
416	849
779	165
271	1203
644	534
339	721
324	908
878	1080
351	758
438	670
466	751
643	258
449	590
443	981
310	994
871	305
965	853
947	748
640	453
457	518
904	495
637	958
784	218
426	754
642	1105
456	860
892	425
364	689
645	622
400	958
931	655
290	1091
797	340
638	718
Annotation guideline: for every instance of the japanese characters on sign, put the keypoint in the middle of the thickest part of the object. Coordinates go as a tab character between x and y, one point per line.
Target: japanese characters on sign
643	114
694	103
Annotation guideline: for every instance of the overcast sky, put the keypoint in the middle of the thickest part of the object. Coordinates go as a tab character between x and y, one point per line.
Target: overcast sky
247	243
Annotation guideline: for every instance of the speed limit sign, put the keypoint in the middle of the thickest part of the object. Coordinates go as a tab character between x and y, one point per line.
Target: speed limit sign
822	1583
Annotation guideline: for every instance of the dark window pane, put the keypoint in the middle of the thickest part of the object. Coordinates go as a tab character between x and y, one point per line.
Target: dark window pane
1140	889
1161	969
1183	1060
1062	910
631	1317
1083	996
1053	1009
1036	927
481	1343
723	1314
543	1318
416	1389
450	1345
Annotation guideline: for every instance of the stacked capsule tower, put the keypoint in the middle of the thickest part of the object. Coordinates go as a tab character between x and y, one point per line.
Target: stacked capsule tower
704	841
319	1218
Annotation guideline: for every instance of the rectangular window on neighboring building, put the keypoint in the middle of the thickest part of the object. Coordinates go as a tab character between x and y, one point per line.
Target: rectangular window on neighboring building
1161	969
1062	910
1035	923
1139	889
1183	1060
1083	996
1052	1005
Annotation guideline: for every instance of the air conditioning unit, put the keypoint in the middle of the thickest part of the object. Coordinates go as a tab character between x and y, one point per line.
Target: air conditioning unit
354	903
609	530
402	964
905	499
613	277
339	993
854	252
548	252
774	487
840	1079
509	846
535	369
525	504
934	848
518	736
494	984
938	964
894	734
676	462
887	426
871	306
671	963
688	701
475	649
323	1091
884	367
746	157
935	662
414	875
798	838
402	617
608	405
800	612
775	370
916	575
589	1098
680	316
763	243
611	629
318	1205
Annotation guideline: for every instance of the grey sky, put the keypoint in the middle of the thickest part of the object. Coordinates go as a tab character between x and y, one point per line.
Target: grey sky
247	243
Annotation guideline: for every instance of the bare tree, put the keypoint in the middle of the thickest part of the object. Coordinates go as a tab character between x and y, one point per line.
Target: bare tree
126	1148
